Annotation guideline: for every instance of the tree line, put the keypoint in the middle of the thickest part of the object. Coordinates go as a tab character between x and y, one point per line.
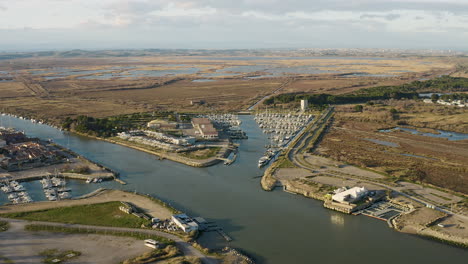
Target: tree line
409	91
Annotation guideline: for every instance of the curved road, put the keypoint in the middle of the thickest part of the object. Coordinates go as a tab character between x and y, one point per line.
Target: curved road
186	248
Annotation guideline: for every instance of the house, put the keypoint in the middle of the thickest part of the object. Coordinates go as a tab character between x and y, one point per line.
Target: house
351	195
185	223
2	143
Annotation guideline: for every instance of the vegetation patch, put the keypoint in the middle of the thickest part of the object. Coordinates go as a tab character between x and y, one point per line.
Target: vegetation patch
155	255
409	90
103	214
201	154
52	256
76	230
110	126
4	226
5	260
284	162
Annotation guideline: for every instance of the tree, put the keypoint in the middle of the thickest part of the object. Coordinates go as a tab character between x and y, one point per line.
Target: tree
358	108
416	174
434	97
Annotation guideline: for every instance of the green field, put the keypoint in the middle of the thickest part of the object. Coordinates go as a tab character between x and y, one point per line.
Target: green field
103	214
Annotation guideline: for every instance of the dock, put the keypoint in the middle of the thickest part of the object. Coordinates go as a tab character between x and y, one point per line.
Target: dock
210	227
231	159
224	235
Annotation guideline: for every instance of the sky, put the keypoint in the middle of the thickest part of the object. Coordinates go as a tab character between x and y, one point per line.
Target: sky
232	24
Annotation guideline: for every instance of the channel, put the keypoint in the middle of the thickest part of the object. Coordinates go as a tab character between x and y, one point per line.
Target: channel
272	227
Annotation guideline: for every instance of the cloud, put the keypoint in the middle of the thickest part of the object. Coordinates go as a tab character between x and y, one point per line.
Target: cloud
243	21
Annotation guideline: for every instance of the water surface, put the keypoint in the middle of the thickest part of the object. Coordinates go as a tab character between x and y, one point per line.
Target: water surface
441	133
274	227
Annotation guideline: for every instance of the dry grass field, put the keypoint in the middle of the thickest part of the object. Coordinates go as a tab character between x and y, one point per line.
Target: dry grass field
355	139
52	88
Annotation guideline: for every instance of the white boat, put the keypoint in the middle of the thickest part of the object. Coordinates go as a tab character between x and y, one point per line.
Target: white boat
6	189
263	161
19	188
64	195
89	180
56	182
46	183
63	189
27	199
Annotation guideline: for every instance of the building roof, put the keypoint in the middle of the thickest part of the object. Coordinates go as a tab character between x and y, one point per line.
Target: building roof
200	121
350	194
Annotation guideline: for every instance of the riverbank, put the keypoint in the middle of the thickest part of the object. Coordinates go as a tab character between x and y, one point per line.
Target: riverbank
70	170
420	220
220	156
152	206
252	214
101	213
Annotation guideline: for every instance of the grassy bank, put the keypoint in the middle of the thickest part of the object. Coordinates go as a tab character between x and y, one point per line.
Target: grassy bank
103	214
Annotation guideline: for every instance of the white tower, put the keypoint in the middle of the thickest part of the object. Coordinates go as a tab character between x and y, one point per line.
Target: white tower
304	104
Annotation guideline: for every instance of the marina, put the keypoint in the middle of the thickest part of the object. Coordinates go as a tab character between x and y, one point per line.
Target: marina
15	191
55	188
280	129
231	197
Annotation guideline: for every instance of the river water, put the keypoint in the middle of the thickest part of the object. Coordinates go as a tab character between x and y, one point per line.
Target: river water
273	227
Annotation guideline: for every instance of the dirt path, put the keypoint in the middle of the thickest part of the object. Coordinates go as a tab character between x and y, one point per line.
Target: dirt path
149	206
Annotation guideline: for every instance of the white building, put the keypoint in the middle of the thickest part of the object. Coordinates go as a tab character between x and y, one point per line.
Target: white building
304	104
184	222
350	195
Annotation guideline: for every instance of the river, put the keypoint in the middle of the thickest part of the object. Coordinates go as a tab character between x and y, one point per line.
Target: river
273	227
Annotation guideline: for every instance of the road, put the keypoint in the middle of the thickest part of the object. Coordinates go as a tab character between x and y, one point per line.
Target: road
294	155
307	135
186	248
